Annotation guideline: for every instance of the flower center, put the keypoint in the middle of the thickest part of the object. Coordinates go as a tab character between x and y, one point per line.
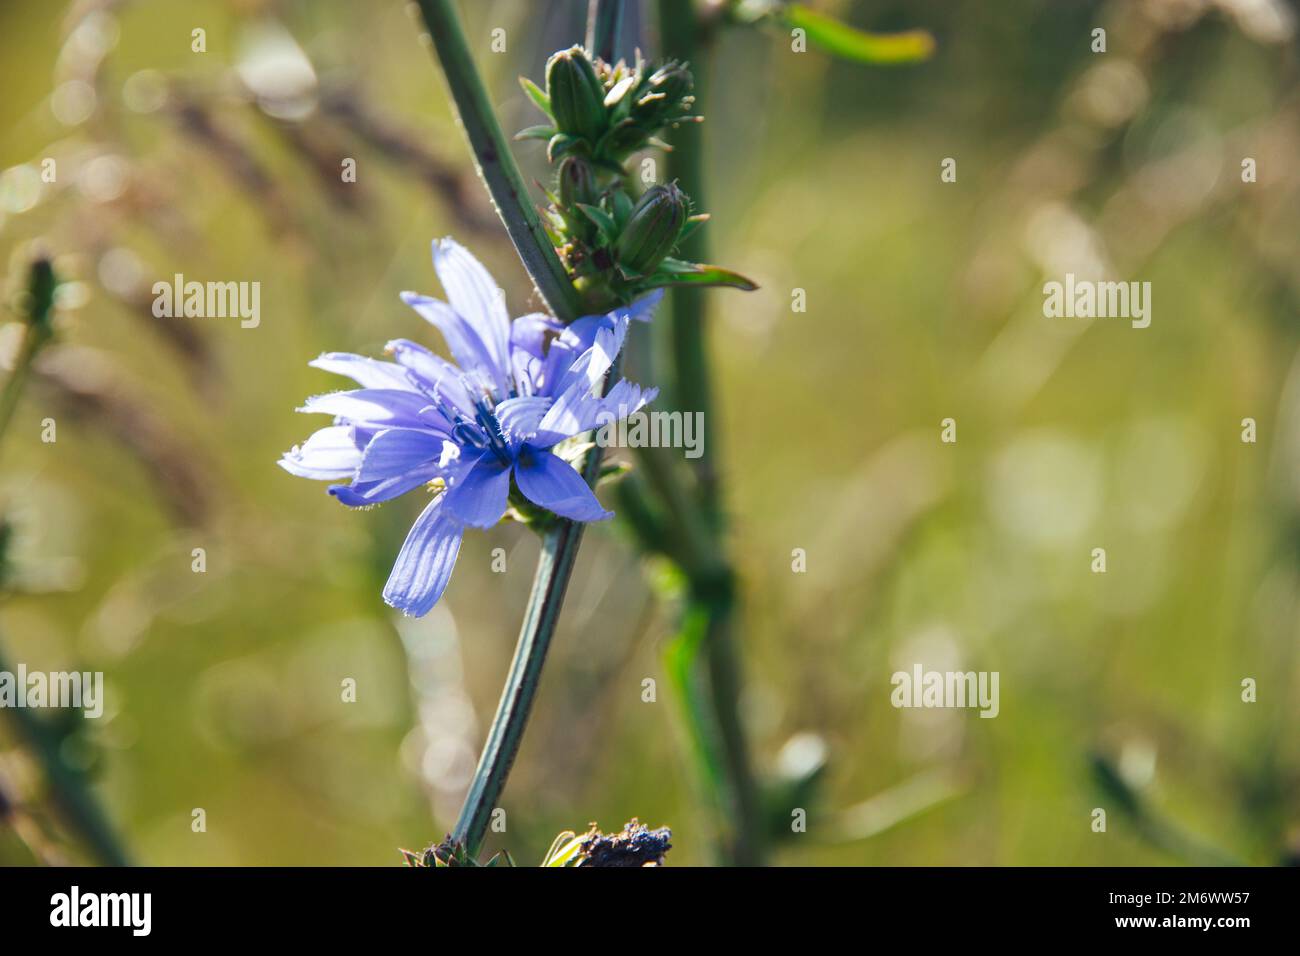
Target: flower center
483	432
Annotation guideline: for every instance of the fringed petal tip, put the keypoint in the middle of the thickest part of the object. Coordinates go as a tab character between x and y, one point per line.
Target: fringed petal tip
642	310
414	615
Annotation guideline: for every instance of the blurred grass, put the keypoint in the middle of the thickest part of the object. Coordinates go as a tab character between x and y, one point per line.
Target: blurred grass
923	303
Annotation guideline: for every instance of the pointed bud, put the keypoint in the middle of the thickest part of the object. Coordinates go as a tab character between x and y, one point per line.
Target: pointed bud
664	97
40	292
653	229
577	97
674	80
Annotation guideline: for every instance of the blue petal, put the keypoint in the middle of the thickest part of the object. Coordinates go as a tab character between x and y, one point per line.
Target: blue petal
642	310
475	296
580	335
397	451
576	338
363	494
424	565
578	403
366	372
432	374
328	455
467	348
478	498
378	406
549	481
534	333
585	412
588	370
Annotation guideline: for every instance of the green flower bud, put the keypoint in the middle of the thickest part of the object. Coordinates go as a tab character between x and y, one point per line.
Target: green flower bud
577	183
577	95
674	80
652	230
665	96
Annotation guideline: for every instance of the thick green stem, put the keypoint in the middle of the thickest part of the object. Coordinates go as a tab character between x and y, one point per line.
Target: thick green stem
495	164
712	595
604	23
692	389
692	547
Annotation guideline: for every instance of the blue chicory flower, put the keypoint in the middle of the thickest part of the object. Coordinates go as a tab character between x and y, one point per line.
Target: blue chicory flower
467	430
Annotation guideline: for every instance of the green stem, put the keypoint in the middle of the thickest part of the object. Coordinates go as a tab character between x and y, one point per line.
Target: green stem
72	795
691	548
550	582
70	791
713	593
559	549
604	23
560	544
495	164
39	308
692	389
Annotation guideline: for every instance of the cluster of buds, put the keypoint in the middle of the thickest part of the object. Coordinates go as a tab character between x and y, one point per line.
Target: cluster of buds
607	112
616	246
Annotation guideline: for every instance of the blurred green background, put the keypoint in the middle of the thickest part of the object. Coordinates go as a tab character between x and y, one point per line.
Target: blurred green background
923	303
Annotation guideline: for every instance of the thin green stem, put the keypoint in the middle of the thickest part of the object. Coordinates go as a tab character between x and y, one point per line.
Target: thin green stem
69	789
39	308
560	543
550	582
559	549
495	165
71	794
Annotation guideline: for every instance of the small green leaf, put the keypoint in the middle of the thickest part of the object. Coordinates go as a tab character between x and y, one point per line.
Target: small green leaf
612	472
673	272
566	853
556	845
560	144
845	41
622	207
603	220
536	132
693	223
536	94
